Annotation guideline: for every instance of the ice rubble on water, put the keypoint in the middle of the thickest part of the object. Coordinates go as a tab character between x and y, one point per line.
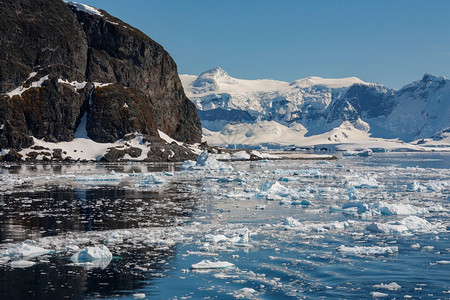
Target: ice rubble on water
367	250
206	161
26	249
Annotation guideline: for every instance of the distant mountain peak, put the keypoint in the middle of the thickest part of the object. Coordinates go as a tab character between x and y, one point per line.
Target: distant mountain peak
211	78
430	77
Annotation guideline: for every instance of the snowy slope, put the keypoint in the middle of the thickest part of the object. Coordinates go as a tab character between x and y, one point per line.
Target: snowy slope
263	98
314	109
423	109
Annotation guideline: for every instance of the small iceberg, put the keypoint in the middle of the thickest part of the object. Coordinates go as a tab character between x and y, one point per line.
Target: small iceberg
21	264
206	161
93	257
207	264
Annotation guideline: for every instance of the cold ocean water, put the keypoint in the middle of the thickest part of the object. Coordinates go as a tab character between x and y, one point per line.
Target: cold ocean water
357	227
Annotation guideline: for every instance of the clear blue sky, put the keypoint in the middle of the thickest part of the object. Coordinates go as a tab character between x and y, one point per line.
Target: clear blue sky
391	42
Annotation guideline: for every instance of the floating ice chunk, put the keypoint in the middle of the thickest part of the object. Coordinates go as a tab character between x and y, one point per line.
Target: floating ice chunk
364	181
393	286
415	246
139	296
443	262
24	250
361	206
207	264
387	228
323	163
244	293
411	223
151	181
289	221
275	188
398	209
206	161
216	238
415	186
21	264
90	254
435	187
114	238
415	223
378	295
367	250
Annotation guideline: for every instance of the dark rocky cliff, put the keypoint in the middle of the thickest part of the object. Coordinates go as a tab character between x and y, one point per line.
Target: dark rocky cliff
70	62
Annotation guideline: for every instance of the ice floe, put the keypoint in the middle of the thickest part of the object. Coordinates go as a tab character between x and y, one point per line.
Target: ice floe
367	250
207	264
25	249
393	286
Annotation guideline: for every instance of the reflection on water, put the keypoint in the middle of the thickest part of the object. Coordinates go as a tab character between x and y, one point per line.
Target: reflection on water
31	211
46	213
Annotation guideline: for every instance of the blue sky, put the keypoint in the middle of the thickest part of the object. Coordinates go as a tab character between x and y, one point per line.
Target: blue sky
389	42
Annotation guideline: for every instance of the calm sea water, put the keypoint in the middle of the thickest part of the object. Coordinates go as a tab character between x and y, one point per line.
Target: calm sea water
170	220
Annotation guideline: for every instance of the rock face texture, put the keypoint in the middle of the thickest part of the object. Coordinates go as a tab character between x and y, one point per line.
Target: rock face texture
62	61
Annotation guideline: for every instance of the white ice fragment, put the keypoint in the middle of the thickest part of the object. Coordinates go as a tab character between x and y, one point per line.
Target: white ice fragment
21	264
415	223
139	296
90	254
428	248
244	293
398	209
410	223
207	264
387	228
206	161
393	286
415	186
24	250
360	206
378	295
415	246
367	250
443	262
275	188
216	238
289	221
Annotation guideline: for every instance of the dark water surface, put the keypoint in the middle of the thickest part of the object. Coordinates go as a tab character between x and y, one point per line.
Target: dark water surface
173	217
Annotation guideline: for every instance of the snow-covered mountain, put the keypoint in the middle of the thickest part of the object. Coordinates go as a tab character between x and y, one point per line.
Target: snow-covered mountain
315	110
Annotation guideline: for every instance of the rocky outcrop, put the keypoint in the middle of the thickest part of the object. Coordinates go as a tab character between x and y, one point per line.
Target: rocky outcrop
59	62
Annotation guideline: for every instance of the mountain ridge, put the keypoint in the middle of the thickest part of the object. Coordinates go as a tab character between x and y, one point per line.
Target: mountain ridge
321	105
